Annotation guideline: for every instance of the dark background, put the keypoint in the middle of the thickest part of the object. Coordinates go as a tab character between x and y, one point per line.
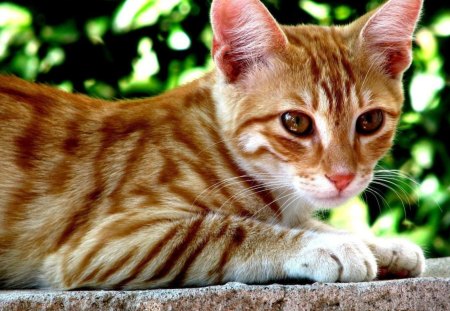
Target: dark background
118	49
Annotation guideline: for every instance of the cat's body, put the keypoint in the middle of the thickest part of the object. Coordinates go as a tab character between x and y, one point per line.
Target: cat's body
214	181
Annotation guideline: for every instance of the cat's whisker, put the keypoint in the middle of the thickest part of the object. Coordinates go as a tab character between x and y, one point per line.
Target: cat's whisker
224	183
401	184
397	179
400	176
283	195
260	187
397	173
393	183
230	182
394	191
288	202
377	195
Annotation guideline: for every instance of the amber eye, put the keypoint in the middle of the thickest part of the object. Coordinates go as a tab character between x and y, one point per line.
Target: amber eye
369	122
297	123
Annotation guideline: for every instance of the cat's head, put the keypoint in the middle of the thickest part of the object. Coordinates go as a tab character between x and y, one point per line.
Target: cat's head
307	107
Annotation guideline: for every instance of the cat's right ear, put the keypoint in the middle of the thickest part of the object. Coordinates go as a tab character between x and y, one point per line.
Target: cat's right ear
244	33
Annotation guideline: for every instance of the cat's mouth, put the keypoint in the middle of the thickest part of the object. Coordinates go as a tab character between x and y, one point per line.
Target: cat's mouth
330	197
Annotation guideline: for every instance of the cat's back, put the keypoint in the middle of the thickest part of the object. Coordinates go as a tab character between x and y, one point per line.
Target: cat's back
49	137
20	99
35	118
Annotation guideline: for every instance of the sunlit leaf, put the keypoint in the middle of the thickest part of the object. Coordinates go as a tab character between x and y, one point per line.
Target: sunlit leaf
134	14
411	117
62	34
342	12
442	245
386	223
423	89
31	48
25	65
151	86
429	186
195	73
54	57
147	63
99	89
65	86
441	26
421	236
319	11
427	43
423	153
352	216
144	68
12	36
207	36
178	40
96	28
12	15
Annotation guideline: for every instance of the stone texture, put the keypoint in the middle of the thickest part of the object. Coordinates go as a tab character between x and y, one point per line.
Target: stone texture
438	267
430	292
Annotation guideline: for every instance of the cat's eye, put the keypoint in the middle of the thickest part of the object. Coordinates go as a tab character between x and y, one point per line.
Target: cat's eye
297	123
370	122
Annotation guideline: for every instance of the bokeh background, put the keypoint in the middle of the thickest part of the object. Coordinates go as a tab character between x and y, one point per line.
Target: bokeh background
129	48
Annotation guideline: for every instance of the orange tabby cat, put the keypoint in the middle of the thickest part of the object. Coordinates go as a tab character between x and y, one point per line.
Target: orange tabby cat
217	180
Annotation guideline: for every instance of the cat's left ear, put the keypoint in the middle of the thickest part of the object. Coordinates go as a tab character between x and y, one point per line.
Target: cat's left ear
245	33
387	35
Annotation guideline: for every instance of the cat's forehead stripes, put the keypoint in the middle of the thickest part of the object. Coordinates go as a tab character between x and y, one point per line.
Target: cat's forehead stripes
329	65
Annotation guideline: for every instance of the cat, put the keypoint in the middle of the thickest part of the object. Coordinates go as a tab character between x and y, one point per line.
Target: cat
216	180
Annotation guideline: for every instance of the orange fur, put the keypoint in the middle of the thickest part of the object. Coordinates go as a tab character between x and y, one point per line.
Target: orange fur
200	185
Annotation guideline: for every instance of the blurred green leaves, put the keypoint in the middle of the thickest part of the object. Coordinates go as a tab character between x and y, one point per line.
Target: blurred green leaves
134	14
13	16
320	11
129	48
441	25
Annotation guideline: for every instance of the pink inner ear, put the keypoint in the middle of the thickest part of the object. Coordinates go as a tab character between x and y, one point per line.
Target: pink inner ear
398	59
388	34
244	33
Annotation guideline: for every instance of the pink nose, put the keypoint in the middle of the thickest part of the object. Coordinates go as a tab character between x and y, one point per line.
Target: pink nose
341	181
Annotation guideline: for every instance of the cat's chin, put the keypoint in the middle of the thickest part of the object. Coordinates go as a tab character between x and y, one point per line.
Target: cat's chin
329	202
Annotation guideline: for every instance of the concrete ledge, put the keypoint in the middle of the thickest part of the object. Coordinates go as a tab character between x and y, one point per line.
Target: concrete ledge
431	292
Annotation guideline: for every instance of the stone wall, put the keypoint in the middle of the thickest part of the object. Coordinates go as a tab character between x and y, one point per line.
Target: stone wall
430	292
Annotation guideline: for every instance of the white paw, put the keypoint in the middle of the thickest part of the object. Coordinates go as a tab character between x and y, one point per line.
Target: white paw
397	258
332	257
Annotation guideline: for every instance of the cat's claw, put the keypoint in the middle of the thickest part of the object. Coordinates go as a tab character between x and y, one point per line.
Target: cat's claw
333	258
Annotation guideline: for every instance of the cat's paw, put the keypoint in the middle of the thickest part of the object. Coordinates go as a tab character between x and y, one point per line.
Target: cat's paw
397	258
333	258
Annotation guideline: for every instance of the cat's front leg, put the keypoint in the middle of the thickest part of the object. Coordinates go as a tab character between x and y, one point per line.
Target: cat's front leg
135	252
397	257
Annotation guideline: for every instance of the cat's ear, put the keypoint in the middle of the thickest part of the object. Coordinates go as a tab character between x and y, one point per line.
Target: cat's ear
387	35
244	33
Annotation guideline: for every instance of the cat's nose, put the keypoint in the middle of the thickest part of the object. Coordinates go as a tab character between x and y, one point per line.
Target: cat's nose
341	181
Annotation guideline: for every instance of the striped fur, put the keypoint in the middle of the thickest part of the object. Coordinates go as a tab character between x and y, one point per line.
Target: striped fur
203	185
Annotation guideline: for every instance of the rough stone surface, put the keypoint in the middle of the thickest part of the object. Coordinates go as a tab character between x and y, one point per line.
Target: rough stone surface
430	292
438	268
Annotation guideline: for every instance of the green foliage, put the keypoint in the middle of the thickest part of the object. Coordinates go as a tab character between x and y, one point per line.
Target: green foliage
128	48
